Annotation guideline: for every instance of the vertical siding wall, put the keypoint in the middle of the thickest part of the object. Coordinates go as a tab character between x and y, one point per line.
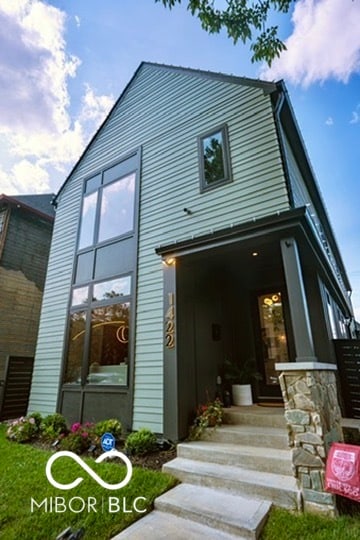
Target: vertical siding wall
163	111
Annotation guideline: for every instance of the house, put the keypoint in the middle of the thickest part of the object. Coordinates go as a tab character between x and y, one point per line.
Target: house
191	231
26	223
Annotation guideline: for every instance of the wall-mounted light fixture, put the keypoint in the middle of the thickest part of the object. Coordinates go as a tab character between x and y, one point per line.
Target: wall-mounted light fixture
187	211
169	261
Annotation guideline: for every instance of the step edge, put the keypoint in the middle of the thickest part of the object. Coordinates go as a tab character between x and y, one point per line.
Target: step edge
216	520
175	464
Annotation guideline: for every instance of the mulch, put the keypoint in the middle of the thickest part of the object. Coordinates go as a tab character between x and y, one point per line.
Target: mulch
153	461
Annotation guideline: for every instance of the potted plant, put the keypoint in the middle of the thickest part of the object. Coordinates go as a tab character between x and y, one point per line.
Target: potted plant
209	415
241	375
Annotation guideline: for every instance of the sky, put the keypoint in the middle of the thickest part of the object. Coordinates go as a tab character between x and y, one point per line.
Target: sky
64	62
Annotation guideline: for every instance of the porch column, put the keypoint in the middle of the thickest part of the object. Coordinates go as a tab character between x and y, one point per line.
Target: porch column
170	380
313	419
304	347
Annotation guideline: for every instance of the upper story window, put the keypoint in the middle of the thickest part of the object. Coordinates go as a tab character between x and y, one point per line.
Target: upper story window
214	158
107	212
108	222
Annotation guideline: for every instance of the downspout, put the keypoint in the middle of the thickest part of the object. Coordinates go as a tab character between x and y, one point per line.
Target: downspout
279	130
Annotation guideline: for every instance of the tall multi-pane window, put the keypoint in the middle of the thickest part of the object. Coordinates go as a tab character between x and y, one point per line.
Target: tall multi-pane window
99	334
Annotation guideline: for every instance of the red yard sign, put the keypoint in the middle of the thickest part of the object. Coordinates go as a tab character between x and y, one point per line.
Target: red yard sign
343	471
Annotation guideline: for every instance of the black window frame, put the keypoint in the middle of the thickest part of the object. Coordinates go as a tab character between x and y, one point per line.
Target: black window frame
128	163
227	179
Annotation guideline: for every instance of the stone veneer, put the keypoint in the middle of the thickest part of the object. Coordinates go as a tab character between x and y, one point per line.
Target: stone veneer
313	420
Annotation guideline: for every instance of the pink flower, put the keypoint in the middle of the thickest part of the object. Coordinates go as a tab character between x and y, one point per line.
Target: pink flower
75	427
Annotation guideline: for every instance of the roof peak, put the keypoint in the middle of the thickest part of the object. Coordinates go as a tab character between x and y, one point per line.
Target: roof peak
226	77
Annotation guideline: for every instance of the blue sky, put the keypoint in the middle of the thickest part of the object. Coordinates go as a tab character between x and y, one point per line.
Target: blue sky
63	63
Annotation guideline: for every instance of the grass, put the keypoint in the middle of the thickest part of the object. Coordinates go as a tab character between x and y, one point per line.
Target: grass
284	525
23	478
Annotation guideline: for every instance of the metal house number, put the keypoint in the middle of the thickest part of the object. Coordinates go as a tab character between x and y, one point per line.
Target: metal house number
170	323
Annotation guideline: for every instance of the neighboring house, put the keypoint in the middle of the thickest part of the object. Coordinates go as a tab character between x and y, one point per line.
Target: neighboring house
26	223
191	231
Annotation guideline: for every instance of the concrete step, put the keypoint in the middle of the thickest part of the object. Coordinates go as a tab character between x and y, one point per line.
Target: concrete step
162	526
255	415
269	437
233	514
280	489
250	457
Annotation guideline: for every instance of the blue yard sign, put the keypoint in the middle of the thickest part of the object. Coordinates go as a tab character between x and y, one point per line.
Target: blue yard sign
107	442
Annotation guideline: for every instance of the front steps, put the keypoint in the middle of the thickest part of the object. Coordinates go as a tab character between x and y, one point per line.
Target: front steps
248	456
229	479
189	512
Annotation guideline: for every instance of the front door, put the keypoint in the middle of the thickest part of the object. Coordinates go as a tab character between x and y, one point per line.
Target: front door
272	342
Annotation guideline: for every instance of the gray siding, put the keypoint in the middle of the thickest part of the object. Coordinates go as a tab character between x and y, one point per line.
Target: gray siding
27	245
164	112
49	350
302	197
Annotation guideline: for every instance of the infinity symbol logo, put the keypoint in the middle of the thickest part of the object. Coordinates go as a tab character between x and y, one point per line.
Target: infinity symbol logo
100	481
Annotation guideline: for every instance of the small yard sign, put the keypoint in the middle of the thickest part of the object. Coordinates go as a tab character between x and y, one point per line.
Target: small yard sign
343	471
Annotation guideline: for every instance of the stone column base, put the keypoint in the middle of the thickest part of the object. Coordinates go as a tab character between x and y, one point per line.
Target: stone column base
313	420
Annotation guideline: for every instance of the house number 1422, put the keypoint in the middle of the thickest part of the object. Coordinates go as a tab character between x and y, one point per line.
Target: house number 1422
170	323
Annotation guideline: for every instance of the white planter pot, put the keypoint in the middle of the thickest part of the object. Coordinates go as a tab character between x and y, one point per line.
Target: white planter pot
241	394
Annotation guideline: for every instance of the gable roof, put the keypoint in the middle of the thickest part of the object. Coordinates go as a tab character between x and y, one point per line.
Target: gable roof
279	94
40	205
268	87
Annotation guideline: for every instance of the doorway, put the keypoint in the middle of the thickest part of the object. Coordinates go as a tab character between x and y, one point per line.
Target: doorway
272	341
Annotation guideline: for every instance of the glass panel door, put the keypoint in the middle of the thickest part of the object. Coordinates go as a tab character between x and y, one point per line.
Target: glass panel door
274	346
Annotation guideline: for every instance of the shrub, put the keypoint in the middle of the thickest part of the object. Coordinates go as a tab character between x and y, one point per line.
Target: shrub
76	442
141	442
53	426
37	417
79	439
112	426
25	428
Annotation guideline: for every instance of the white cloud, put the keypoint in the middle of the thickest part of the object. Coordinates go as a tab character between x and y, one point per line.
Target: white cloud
95	108
355	116
329	121
24	177
35	68
325	43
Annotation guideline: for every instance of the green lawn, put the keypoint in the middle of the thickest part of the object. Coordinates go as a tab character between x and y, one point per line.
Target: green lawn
23	480
284	525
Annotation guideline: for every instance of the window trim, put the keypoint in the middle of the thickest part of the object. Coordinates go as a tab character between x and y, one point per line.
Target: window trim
204	187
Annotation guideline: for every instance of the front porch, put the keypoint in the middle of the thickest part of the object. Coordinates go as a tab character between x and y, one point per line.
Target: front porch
253	292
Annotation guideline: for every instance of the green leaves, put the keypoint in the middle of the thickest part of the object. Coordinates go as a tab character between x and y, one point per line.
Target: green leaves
242	20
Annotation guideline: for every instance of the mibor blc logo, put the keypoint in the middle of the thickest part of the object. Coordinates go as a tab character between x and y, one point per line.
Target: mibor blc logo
91	504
